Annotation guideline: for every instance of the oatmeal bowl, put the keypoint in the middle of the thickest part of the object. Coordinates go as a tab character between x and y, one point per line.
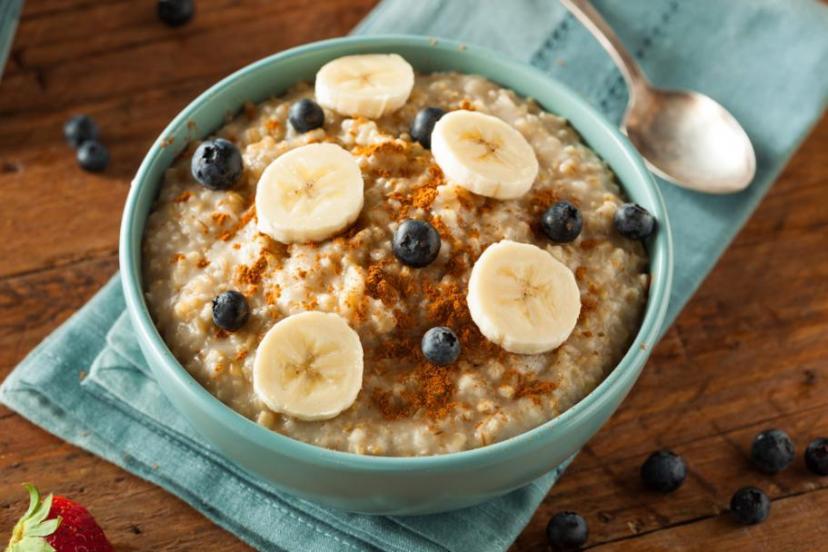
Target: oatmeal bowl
394	275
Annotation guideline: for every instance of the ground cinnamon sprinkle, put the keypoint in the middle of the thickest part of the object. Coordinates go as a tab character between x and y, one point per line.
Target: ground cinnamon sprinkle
457	264
387	147
446	303
219	218
586	245
272	296
246	217
465	198
431	394
252	275
527	386
423	197
202	263
183	196
441	227
390	408
534	389
405	321
178	257
436	390
275	249
466	104
272	125
380	285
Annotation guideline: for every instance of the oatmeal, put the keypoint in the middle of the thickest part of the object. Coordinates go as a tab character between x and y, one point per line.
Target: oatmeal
201	242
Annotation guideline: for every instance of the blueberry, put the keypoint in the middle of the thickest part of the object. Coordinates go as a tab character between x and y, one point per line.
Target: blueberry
750	505
562	222
440	345
416	243
230	310
217	164
79	129
663	471
567	531
634	221
816	456
175	12
772	451
424	123
306	115
92	156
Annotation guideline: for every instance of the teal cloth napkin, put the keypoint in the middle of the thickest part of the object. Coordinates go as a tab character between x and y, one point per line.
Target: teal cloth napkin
9	16
764	60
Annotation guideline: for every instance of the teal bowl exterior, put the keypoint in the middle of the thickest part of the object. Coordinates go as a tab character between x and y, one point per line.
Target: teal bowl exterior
389	485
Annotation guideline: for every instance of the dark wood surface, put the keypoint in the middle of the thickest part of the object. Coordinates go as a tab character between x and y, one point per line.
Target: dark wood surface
749	352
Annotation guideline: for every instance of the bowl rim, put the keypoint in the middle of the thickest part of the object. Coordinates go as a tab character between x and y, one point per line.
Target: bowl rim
661	262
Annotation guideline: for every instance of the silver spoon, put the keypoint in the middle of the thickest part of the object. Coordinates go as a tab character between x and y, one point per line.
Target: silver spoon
685	137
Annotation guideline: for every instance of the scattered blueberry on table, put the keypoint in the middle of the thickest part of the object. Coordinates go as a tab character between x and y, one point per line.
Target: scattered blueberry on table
230	310
176	12
816	456
663	471
562	222
217	164
424	123
750	505
634	222
440	345
306	115
567	531
93	156
80	129
772	451
416	243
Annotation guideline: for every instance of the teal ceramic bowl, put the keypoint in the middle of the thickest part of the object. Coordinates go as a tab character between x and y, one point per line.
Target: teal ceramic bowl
387	485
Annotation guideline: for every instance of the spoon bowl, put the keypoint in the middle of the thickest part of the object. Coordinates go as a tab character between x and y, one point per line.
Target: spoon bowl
690	140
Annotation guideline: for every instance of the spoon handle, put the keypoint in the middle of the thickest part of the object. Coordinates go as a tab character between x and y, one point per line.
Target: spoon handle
592	20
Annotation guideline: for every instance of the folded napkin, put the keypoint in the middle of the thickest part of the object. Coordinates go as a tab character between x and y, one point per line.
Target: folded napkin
9	15
764	60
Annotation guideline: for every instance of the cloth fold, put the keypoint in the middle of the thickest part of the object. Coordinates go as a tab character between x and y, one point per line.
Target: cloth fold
89	384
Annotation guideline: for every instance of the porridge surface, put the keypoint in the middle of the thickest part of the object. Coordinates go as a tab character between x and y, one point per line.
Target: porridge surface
199	243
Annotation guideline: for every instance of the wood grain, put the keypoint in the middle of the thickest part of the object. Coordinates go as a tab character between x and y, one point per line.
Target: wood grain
749	351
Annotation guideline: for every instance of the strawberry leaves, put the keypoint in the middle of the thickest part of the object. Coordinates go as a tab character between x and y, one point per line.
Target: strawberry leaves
29	532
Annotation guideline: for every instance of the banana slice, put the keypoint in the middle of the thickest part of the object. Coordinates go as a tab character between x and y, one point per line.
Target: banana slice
370	85
309	366
522	298
309	194
484	154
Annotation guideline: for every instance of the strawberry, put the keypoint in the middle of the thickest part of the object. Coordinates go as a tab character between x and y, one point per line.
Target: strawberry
56	524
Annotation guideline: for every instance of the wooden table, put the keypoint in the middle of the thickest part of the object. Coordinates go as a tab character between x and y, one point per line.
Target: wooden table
749	352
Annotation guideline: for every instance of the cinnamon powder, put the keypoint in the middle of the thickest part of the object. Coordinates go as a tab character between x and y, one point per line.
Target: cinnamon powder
380	285
431	394
252	275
